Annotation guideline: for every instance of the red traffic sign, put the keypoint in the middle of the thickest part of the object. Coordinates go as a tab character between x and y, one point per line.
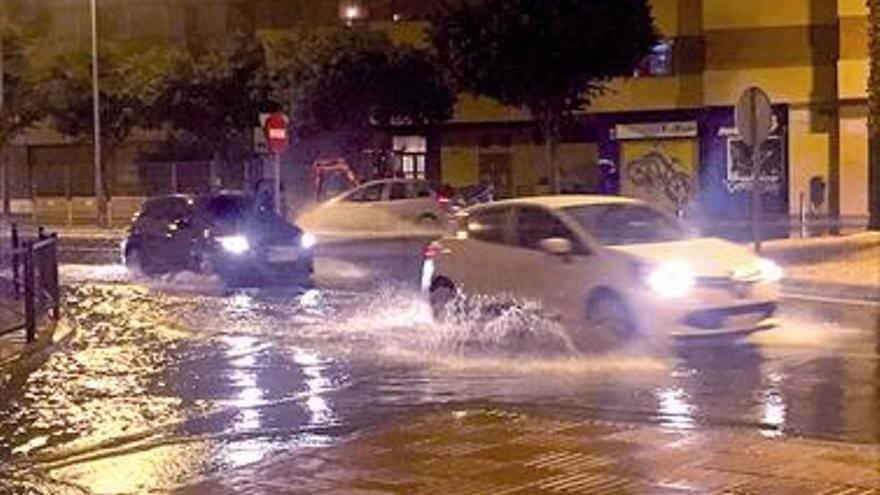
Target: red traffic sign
275	128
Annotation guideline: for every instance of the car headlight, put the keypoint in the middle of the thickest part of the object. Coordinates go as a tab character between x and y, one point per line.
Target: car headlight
307	241
769	270
235	244
672	279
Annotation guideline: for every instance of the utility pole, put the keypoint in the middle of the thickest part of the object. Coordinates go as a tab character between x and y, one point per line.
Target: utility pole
96	107
4	184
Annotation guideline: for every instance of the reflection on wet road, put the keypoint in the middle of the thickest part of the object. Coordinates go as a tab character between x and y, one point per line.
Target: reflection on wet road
169	381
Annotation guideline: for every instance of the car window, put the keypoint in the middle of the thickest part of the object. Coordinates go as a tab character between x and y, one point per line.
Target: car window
421	189
488	225
534	225
165	209
227	208
621	224
368	194
399	190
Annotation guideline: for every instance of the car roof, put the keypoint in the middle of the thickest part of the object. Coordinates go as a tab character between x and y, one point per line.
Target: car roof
562	201
390	181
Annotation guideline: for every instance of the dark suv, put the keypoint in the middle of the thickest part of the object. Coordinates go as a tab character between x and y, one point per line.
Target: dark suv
229	234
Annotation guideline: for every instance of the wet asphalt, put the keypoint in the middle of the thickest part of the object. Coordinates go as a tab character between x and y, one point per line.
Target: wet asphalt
172	379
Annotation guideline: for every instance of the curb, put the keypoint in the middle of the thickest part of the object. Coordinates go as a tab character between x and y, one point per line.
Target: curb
803	252
854	292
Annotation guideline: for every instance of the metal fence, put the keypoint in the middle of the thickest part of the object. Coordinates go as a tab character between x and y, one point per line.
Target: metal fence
30	282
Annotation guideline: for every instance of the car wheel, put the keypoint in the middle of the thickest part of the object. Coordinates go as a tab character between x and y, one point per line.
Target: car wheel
608	319
442	293
428	221
134	261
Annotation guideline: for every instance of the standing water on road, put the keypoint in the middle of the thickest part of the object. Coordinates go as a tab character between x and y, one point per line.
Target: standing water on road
174	379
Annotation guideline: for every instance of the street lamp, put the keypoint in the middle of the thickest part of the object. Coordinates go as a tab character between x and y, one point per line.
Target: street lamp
96	109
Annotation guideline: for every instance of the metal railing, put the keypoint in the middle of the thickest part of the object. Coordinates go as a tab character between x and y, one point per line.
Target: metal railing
33	282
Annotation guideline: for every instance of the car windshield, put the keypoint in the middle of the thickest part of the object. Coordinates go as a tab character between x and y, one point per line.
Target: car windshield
226	208
620	224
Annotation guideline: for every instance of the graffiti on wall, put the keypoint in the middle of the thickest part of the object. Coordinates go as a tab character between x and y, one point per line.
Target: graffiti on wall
660	173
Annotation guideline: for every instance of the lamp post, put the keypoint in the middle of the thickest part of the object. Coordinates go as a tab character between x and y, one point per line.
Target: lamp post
96	109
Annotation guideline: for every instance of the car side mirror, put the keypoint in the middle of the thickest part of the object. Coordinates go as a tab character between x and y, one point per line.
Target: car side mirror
556	246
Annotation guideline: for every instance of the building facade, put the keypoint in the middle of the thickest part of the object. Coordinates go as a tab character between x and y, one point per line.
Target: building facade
675	119
666	134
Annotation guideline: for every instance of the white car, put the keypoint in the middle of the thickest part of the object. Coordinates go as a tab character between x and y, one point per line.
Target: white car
606	267
380	205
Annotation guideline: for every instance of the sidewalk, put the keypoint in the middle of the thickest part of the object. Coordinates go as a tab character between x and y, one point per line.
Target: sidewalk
846	266
505	451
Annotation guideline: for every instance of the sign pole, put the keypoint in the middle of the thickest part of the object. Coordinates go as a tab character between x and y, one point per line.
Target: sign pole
96	116
275	127
754	122
756	197
276	159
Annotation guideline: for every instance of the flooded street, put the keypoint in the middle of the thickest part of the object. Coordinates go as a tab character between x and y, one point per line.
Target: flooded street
169	381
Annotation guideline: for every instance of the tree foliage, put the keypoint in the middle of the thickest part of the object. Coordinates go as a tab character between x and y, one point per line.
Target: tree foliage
549	57
544	56
21	102
351	80
212	97
131	83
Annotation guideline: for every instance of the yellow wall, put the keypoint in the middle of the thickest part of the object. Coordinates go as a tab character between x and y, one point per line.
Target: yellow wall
527	163
809	153
651	93
854	164
459	165
727	14
784	85
853	79
852	8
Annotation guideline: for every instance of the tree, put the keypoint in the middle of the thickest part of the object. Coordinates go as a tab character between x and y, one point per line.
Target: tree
362	88
874	115
19	106
130	82
213	98
551	58
348	82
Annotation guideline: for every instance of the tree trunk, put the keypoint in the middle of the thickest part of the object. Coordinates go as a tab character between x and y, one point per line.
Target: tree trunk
874	115
551	150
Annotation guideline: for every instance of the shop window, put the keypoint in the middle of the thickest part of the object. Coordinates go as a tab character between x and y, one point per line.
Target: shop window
658	62
412	153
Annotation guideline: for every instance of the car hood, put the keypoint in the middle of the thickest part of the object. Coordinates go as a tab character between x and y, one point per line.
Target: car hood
707	257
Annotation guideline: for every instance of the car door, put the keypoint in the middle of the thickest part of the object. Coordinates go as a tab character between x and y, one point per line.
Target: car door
559	283
486	262
166	234
412	200
400	201
361	209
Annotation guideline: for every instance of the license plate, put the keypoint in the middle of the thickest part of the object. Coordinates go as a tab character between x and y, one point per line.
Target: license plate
282	254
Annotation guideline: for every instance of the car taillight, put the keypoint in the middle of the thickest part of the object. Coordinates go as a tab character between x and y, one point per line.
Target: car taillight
431	251
443	200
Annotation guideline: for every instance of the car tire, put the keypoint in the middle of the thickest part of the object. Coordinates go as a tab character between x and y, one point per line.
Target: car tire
134	261
441	294
428	221
608	320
